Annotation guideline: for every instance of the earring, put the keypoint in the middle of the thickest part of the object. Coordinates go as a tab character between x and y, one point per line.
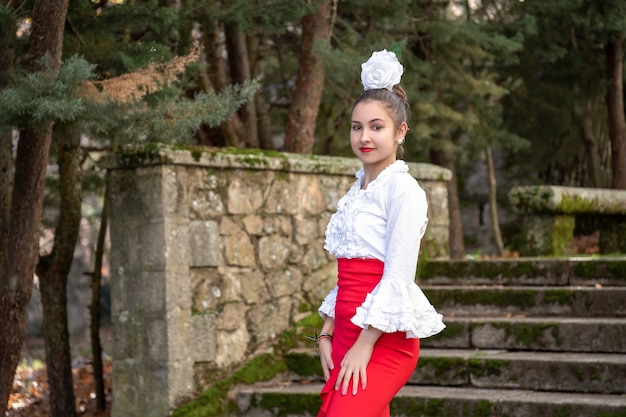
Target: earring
401	140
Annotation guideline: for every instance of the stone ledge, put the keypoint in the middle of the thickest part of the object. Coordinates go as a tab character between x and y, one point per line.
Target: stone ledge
584	271
154	154
540	334
552	199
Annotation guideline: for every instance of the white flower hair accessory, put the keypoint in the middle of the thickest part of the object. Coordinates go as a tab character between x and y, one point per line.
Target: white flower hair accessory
382	70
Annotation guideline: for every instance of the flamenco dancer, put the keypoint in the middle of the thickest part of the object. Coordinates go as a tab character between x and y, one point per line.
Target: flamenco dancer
376	314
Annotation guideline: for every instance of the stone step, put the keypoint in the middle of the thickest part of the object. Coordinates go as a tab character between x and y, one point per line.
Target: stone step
583	271
504	301
541	371
302	400
557	334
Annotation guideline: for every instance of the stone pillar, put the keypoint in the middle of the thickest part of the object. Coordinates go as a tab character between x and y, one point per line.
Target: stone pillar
150	292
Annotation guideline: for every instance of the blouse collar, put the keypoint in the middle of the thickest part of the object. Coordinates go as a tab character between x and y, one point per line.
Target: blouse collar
397	166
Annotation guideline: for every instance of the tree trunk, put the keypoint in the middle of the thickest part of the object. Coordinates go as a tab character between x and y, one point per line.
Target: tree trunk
264	121
493	201
7	62
94	308
31	162
446	159
232	130
239	64
300	128
53	271
6	186
615	105
591	148
266	138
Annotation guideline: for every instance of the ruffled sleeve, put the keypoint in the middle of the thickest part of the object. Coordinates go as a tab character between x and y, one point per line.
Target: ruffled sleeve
397	303
327	309
393	306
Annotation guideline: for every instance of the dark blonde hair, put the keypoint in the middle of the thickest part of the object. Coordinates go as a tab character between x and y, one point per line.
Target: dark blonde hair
395	101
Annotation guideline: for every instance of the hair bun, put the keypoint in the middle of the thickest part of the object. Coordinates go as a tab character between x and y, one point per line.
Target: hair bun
401	93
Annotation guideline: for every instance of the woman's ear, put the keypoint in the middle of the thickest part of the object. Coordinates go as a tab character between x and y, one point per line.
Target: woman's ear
403	129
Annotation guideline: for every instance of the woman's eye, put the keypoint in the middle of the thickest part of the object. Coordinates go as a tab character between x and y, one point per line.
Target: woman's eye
356	127
377	127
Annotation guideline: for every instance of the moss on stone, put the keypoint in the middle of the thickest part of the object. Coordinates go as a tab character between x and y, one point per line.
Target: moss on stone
482	367
612	269
621	413
562	235
451	331
530	199
214	400
261	368
136	155
437	407
482	409
440	368
494	297
594	374
561	297
304	365
433	407
563	411
529	334
485	268
285	404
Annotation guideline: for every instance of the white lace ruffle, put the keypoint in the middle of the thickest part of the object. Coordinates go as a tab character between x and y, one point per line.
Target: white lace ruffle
396	306
341	238
327	309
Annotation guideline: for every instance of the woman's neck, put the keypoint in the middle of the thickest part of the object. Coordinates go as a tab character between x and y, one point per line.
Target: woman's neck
371	172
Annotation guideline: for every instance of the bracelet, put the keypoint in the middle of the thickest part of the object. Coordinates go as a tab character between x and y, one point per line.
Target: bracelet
319	337
324	336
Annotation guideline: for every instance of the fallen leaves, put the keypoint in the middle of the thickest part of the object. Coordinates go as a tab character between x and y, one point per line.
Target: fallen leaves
30	390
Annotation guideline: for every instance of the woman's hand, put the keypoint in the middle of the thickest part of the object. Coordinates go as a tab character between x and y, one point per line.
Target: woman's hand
326	349
354	363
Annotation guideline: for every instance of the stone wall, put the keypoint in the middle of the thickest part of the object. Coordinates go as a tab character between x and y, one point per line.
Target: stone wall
214	254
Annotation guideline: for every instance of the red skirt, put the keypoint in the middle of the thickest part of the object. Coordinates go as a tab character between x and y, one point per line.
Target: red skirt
394	357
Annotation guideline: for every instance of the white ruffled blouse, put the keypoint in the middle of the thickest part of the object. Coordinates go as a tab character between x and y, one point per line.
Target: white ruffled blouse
386	221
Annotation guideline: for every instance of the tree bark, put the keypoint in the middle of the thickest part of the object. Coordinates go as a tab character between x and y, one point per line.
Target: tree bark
94	308
445	158
53	271
31	162
7	62
591	148
266	139
6	187
493	201
232	130
239	63
300	128
615	105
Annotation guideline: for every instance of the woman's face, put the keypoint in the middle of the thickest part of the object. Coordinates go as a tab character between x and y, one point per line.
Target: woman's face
373	135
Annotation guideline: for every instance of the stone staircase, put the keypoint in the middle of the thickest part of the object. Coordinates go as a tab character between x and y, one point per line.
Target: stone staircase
524	338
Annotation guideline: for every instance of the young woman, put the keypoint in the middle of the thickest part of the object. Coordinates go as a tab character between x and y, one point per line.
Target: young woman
376	314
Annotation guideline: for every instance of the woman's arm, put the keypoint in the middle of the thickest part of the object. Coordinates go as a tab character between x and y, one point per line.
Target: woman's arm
326	347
